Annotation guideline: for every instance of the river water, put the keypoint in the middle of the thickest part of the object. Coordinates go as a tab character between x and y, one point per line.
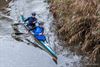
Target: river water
18	54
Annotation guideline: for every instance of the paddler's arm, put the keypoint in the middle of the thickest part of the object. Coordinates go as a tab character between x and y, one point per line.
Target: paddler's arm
26	19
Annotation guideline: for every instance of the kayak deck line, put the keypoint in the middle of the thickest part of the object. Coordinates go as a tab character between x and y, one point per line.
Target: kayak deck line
50	49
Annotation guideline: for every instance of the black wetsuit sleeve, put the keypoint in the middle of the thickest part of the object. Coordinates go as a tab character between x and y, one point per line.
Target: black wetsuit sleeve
26	19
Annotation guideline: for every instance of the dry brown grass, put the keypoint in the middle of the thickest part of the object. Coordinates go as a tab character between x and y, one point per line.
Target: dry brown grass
78	23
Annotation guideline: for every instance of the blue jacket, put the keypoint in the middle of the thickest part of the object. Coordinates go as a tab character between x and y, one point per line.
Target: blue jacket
31	20
37	30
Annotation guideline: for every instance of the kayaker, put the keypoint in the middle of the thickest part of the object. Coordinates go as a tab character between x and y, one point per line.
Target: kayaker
31	21
39	32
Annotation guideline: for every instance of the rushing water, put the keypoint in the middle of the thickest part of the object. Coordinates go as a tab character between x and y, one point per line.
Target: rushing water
17	54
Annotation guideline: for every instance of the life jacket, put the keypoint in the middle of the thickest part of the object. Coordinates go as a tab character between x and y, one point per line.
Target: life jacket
37	30
40	38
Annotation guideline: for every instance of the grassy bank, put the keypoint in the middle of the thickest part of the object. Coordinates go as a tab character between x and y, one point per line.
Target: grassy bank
78	24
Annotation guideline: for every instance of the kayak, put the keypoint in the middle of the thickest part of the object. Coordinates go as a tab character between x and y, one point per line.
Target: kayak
41	44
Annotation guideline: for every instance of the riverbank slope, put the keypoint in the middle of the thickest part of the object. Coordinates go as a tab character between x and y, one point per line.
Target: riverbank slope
78	24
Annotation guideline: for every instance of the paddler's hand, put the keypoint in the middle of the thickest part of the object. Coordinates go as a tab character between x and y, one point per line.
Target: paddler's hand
33	22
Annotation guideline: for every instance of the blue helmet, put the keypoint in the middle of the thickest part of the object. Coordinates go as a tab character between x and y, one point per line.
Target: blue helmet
34	14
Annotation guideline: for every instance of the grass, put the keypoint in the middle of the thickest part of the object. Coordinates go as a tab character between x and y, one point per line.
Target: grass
78	23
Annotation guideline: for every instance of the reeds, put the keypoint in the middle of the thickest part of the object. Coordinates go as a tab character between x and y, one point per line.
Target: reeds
78	23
